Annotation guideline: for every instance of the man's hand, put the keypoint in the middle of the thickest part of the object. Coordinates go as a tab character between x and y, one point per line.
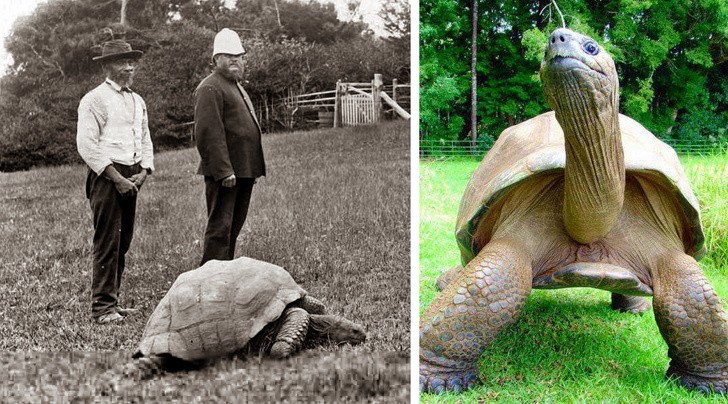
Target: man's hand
229	182
139	178
126	187
123	186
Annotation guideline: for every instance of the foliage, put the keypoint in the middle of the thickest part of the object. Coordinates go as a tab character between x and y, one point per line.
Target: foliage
308	51
444	58
397	22
671	59
568	343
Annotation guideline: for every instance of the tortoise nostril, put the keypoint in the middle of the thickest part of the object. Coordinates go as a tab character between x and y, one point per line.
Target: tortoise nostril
553	39
561	37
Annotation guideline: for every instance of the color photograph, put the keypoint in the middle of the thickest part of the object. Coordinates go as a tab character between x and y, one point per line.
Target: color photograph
572	201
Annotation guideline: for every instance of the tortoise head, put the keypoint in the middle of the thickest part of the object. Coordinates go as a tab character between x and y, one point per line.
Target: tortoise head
578	75
336	329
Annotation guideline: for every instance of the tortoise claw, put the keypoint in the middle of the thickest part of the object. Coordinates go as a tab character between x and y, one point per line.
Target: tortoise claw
439	379
704	384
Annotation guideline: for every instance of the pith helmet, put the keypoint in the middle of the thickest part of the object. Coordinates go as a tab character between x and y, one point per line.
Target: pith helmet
227	41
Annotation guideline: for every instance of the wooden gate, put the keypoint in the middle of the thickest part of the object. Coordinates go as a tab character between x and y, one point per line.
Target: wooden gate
357	109
350	104
362	103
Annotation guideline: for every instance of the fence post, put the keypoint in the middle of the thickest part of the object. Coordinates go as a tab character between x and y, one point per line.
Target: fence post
337	105
377	86
394	90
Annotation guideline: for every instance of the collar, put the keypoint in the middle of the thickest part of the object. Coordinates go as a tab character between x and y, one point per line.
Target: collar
114	85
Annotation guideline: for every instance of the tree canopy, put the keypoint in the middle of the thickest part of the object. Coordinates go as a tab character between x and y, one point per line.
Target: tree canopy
671	59
293	47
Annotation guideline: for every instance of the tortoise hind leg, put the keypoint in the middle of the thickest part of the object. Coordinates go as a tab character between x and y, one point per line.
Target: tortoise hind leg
692	320
630	304
292	332
485	298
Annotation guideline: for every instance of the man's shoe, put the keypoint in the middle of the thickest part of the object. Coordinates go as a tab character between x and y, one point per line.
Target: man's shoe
109	318
125	312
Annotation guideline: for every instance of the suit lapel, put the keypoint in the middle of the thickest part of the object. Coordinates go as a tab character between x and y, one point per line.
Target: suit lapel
249	104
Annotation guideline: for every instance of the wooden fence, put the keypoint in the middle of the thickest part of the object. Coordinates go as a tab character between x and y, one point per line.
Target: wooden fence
441	148
349	104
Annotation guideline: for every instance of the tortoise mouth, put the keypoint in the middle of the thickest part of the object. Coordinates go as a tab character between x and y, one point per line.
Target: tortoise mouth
567	64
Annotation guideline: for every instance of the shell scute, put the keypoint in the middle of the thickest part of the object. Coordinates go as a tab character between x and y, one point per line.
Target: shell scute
217	308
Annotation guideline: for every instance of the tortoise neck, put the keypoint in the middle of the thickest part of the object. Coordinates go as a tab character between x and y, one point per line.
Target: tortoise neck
594	172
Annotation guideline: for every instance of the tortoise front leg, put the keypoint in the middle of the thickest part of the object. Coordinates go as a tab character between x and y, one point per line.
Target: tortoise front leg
312	305
292	332
692	321
447	277
485	297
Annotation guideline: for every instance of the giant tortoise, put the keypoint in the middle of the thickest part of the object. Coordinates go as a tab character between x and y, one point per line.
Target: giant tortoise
581	196
224	307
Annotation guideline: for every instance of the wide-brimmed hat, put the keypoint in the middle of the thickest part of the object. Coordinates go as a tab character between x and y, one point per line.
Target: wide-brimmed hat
117	49
227	41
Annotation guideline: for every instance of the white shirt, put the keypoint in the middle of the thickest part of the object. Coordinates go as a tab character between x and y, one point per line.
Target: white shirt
113	128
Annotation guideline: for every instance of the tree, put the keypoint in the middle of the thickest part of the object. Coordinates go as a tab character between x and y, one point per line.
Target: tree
395	15
443	69
474	76
670	56
53	68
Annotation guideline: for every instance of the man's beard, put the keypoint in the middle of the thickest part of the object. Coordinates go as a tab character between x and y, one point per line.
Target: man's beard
122	79
236	75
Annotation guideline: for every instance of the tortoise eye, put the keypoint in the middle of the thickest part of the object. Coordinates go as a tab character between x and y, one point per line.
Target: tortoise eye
591	48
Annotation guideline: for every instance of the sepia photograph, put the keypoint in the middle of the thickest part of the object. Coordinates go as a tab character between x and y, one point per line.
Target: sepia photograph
573	190
205	201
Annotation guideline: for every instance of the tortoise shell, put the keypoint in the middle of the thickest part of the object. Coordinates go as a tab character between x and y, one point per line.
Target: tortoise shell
537	146
216	309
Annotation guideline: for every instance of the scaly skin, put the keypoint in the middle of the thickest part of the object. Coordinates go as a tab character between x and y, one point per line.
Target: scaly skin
485	298
692	320
291	334
312	305
447	277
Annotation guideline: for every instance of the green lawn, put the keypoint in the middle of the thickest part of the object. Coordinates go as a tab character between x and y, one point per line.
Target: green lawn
333	210
568	346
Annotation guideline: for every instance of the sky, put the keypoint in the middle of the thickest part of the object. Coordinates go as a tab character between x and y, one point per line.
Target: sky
9	11
12	9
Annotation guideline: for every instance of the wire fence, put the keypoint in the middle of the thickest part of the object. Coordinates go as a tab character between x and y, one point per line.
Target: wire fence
440	148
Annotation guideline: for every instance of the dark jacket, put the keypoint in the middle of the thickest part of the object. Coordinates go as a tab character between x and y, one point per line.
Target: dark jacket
226	130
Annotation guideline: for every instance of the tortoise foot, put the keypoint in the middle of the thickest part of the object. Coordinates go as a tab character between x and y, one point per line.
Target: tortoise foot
630	304
705	384
439	379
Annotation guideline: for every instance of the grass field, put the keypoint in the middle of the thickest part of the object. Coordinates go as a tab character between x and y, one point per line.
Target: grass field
568	346
333	210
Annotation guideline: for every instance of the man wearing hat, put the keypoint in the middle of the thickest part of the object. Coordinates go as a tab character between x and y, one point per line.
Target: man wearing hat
229	142
113	139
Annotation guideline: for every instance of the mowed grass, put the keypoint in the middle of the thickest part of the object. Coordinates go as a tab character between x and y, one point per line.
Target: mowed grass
333	210
568	346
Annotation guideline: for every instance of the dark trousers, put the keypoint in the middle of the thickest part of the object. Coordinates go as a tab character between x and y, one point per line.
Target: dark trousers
227	209
113	217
